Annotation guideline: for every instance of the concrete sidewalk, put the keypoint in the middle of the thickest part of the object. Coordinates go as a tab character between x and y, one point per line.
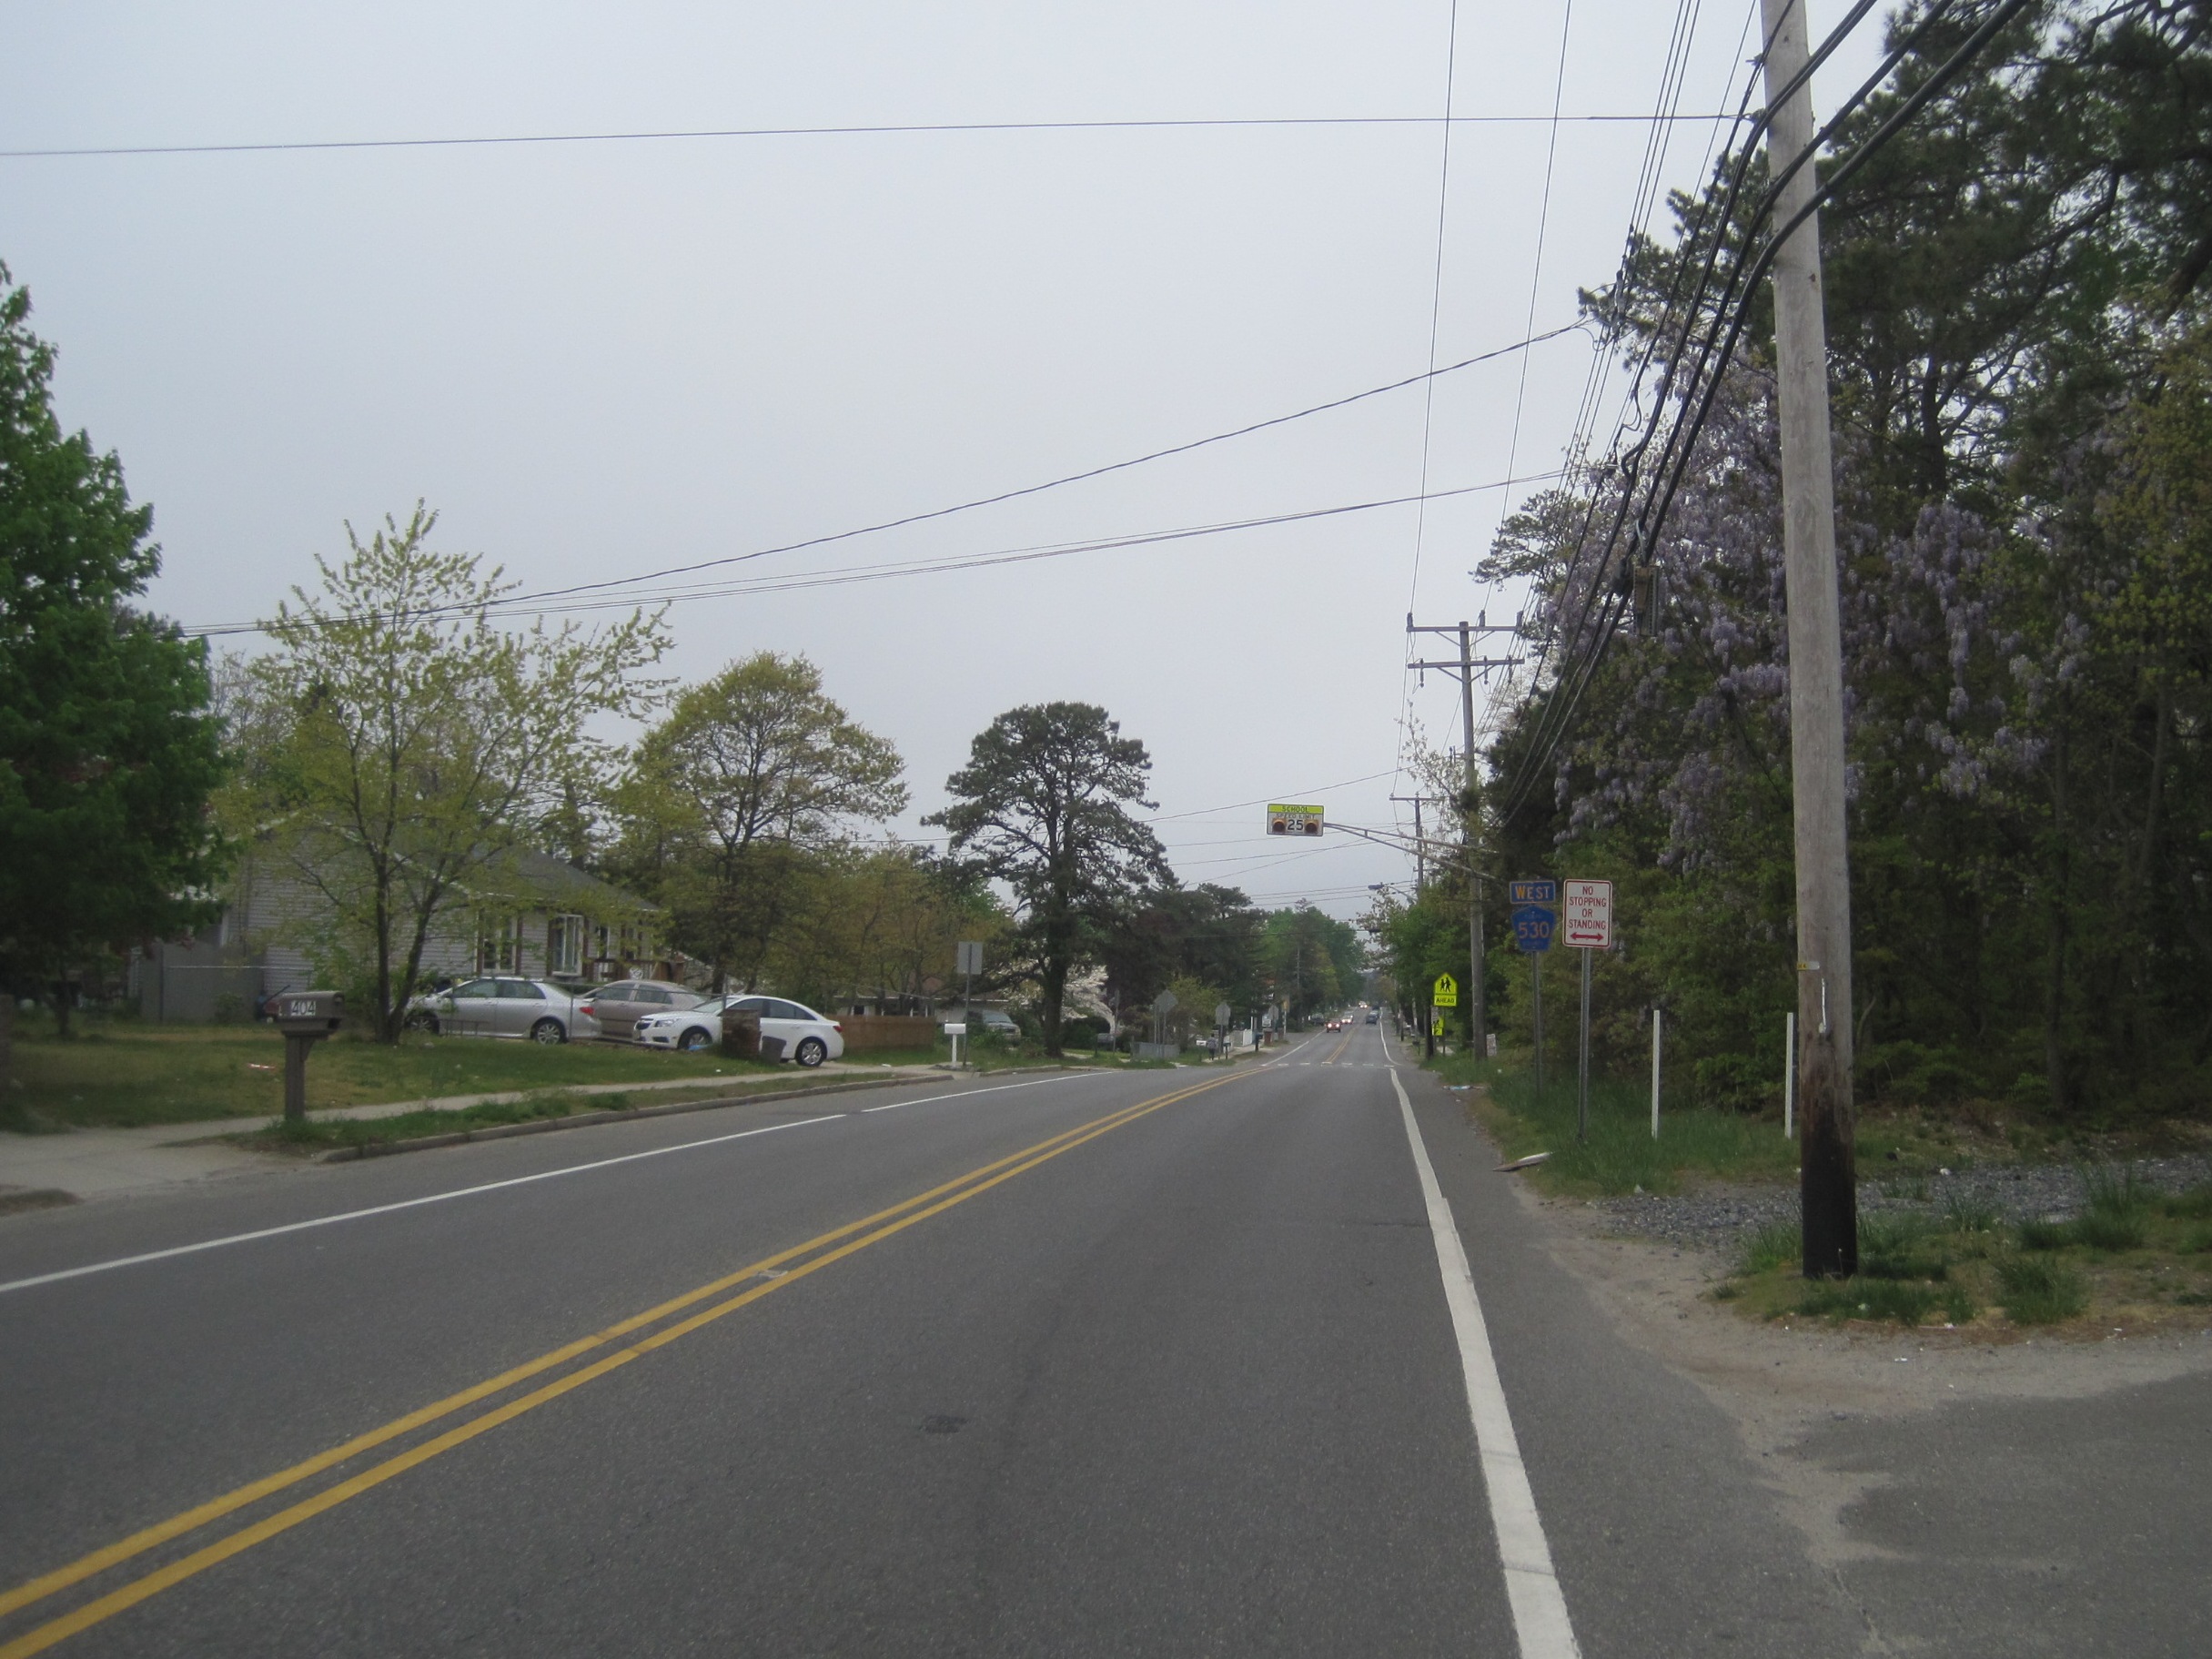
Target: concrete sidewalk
97	1163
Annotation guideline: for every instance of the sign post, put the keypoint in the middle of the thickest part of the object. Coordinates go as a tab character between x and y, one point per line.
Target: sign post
967	960
1587	919
1533	902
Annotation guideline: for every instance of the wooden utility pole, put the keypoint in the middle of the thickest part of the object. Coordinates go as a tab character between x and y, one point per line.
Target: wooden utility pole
1829	1182
1466	669
1478	1005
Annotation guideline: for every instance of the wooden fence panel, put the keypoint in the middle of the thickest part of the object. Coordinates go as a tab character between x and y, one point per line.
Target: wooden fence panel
867	1031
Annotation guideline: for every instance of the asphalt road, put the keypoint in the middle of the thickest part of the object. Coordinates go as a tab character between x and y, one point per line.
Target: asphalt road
1145	1363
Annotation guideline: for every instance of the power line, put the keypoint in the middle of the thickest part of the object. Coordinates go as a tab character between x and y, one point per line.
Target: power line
848	575
1428	376
888	129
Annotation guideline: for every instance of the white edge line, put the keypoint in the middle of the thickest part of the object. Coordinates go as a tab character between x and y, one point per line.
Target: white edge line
459	1192
1531	1587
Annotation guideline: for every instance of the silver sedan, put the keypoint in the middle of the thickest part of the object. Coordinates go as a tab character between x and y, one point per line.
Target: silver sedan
534	1008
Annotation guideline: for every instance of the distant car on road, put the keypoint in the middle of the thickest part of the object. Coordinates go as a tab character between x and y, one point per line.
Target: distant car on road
1374	1016
618	1007
535	1009
808	1038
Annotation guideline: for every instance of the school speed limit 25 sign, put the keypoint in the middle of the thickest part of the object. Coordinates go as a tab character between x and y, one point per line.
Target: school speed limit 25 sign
1586	915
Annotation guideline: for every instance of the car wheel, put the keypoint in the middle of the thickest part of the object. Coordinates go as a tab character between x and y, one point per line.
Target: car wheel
548	1031
695	1041
812	1052
423	1022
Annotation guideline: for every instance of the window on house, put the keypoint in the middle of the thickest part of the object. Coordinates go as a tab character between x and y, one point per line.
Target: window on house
564	945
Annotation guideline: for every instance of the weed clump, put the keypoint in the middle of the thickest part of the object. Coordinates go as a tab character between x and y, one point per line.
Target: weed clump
1899	1301
2038	1292
1899	1247
2195	1205
1966	1214
1775	1245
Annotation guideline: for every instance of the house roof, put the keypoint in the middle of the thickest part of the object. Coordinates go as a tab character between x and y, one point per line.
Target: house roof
558	883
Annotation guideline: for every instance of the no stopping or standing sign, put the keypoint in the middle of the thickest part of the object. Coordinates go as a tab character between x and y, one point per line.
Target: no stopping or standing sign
1586	915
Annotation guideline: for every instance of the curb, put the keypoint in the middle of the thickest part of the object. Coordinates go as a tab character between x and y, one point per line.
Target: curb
578	1120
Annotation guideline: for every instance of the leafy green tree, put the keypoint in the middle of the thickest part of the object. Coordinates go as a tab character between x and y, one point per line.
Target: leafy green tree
1043	805
750	776
108	752
1207	934
1314	961
400	749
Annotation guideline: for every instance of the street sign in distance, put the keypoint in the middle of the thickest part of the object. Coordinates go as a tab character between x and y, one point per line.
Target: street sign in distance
1221	1013
1446	992
1586	915
1165	1003
967	956
1293	820
1538	891
1533	928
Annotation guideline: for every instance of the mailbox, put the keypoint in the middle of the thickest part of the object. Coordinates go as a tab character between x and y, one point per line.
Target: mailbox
305	1018
309	1013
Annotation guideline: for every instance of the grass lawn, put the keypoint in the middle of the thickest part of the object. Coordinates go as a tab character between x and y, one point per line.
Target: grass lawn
123	1073
1619	1155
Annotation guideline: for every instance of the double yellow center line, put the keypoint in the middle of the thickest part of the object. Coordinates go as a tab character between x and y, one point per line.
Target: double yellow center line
759	1279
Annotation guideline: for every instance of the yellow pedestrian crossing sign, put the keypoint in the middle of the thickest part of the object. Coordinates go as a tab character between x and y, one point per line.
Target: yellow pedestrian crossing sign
1446	992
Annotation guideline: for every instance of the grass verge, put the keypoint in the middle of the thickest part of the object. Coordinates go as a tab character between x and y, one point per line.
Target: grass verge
330	1134
1618	1153
2133	1258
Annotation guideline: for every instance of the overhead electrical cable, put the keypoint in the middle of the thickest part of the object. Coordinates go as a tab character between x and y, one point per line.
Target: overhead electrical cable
1436	312
1054	483
846	575
883	129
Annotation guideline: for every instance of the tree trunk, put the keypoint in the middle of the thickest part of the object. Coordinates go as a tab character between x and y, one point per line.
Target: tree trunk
387	1017
61	1003
7	1048
2056	932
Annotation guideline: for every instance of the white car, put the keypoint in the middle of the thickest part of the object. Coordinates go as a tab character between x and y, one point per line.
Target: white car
808	1038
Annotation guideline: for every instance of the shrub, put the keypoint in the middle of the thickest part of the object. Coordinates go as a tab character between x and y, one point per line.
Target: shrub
2039	1291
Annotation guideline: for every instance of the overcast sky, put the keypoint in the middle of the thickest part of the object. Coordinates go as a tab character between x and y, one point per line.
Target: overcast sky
600	359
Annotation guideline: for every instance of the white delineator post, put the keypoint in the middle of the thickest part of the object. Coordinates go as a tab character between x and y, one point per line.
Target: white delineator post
1789	1076
1828	1193
1655	1074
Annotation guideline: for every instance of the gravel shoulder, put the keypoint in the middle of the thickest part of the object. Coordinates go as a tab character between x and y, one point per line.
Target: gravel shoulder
1714	1219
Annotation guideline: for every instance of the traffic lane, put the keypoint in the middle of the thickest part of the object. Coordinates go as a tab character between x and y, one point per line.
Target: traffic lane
134	1395
1665	1535
1191	1389
2008	1527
